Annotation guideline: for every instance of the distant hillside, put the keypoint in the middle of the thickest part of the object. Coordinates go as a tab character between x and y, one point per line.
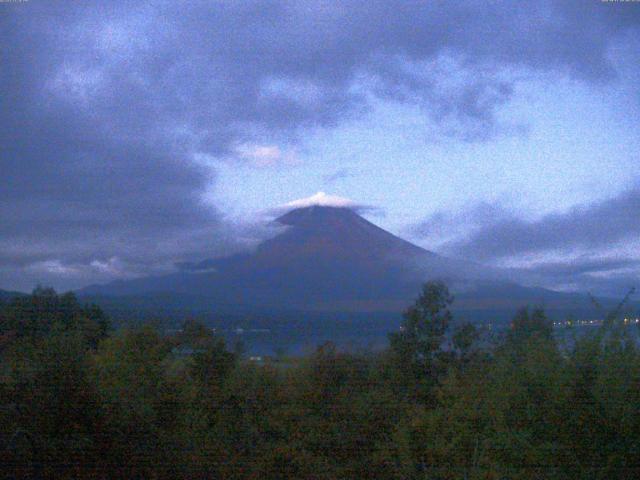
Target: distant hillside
7	295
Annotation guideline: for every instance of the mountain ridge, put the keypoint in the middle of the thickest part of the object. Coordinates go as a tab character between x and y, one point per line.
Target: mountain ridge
329	259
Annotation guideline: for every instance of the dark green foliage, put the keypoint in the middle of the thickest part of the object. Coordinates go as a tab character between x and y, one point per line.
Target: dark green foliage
417	348
49	409
528	325
34	316
425	324
76	402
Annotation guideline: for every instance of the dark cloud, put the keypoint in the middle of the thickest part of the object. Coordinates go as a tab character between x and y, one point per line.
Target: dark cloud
489	233
445	227
596	226
105	106
336	176
585	265
610	276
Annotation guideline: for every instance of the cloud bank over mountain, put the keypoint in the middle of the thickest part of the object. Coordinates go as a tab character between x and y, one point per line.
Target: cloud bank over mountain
585	246
322	199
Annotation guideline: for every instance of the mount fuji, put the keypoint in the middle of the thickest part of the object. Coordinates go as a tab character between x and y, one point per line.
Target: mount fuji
331	259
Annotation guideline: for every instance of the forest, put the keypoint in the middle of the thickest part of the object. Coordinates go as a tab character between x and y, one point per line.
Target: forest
79	399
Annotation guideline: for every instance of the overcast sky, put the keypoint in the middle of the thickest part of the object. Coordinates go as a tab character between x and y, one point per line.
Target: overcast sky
137	135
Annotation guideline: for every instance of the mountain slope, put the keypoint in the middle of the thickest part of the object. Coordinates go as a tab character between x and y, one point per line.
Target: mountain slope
6	295
325	259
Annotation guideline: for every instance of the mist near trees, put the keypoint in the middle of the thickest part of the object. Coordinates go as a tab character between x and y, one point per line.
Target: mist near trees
80	400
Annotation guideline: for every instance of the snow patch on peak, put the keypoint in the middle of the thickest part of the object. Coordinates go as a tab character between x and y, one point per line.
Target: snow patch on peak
323	200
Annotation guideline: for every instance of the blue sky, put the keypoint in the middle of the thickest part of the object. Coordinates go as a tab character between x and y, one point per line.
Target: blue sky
139	135
571	144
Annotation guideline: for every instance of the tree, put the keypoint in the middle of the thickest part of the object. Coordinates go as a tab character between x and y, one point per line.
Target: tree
529	326
417	346
34	316
52	404
128	371
464	338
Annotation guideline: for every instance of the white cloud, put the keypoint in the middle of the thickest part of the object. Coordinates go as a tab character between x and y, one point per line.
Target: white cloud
303	92
323	200
267	155
54	266
114	266
99	270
